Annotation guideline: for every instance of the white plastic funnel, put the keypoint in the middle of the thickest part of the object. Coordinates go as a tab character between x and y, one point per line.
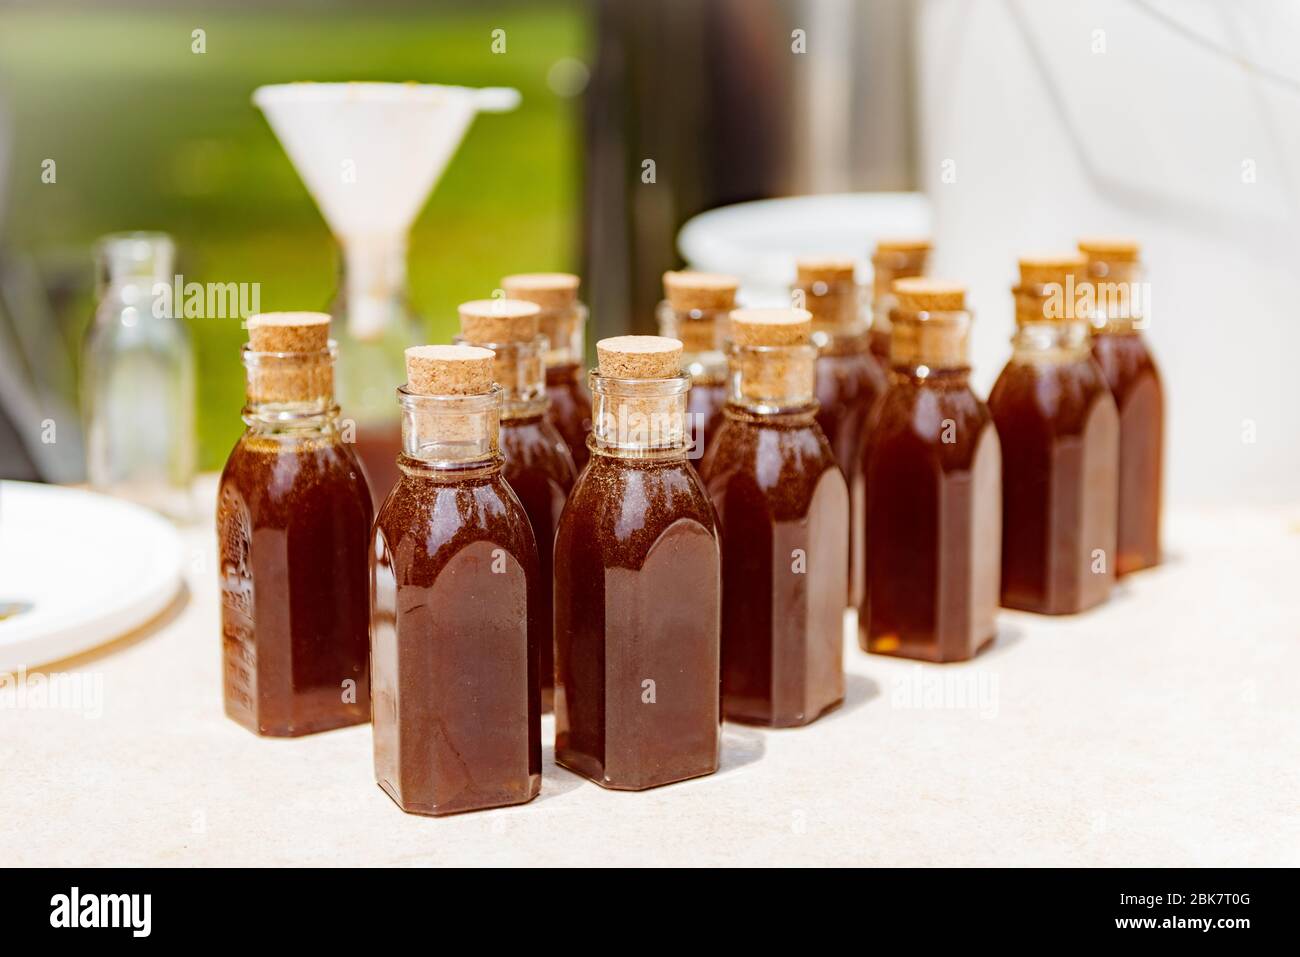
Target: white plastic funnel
370	154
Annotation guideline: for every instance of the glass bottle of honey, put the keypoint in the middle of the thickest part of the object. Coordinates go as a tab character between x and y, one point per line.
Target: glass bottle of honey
1058	430
638	584
850	380
455	619
893	259
293	527
783	509
933	489
1119	303
694	311
563	321
538	465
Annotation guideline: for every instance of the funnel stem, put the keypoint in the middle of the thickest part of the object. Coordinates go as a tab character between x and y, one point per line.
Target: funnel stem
374	283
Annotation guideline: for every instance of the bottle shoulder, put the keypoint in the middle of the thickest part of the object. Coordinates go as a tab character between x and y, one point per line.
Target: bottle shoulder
620	508
536	444
772	456
433	518
296	472
1052	397
942	422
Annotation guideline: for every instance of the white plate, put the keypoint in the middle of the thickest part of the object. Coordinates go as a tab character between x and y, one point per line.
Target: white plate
82	568
758	241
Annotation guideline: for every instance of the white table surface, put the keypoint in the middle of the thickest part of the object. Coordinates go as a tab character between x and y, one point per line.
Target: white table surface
1162	729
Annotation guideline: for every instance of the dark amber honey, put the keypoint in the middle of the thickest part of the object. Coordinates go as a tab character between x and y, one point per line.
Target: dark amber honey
456	603
879	344
561	320
849	383
694	311
570	408
638	586
706	403
1134	382
637	592
892	259
456	624
538	465
933	495
1059	435
293	524
293	515
1058	430
1115	274
783	511
377	446
541	473
849	380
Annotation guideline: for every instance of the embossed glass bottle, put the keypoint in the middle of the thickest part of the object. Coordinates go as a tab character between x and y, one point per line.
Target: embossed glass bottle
138	379
563	319
850	380
637	585
1058	430
694	311
783	512
933	490
293	526
1115	272
455	616
537	461
893	259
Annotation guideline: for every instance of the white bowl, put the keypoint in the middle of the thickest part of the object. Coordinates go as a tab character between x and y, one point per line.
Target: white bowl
78	569
759	241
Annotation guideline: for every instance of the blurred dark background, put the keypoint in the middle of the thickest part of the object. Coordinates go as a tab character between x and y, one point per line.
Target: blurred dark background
147	134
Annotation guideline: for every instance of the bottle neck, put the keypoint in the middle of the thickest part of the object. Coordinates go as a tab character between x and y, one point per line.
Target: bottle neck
922	344
567	373
131	265
373	283
640	418
950	377
520	370
772	380
450	433
703	335
886	267
836	309
1119	297
564	330
290	391
1048	342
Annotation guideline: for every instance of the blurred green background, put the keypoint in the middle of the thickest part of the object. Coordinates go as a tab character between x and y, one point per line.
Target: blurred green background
149	135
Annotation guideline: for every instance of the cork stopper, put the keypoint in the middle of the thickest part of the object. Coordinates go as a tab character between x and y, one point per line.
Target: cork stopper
551	291
704	291
919	294
499	321
931	326
289	331
448	370
824	269
1110	248
902	244
1047	287
288	359
556	294
771	327
1039	270
896	259
776	375
639	357
827	289
510	327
